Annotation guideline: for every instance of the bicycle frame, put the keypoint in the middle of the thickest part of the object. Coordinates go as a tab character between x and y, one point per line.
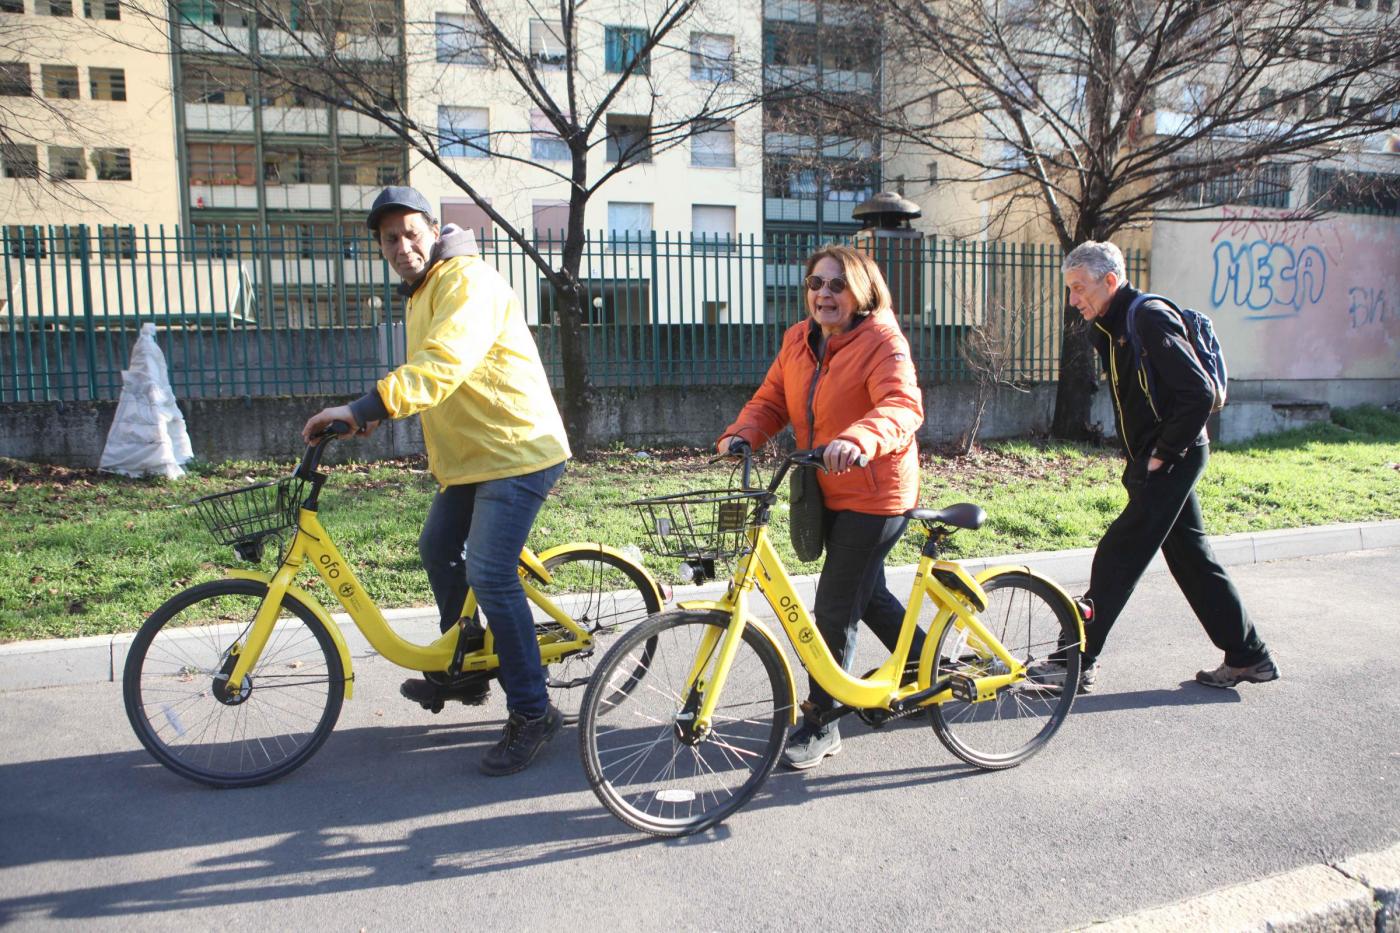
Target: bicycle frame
313	545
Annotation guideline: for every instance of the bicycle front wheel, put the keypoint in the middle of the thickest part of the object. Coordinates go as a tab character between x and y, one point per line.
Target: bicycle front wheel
1032	623
645	763
184	715
605	595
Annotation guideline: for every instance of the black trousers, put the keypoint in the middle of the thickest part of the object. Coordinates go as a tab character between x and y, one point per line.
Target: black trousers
852	587
1163	512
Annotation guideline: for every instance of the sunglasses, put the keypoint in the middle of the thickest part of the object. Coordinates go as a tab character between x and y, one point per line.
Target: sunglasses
836	283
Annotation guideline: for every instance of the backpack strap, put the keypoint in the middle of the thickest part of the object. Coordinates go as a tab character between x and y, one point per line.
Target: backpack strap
1140	360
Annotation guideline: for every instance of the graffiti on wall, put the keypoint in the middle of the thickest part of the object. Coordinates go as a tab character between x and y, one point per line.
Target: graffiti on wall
1291	298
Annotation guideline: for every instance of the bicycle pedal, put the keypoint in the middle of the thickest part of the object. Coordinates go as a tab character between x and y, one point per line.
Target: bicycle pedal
964	687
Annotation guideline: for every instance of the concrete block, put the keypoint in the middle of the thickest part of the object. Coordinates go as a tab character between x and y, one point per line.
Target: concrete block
55	662
1313	898
1380	534
1301	542
1379	871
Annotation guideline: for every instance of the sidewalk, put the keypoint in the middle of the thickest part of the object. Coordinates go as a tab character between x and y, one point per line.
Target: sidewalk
59	662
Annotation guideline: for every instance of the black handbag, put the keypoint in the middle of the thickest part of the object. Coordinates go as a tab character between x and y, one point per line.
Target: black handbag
807	512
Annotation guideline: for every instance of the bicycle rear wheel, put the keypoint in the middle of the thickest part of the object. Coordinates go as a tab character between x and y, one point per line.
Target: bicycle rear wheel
1032	623
605	595
176	701
643	762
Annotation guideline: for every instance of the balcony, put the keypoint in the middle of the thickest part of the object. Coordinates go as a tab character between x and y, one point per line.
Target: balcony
240	196
305	121
357	197
210	38
351	123
849	82
804	210
219	118
299	197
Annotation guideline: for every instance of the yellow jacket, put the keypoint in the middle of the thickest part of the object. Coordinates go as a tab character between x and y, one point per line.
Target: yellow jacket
474	373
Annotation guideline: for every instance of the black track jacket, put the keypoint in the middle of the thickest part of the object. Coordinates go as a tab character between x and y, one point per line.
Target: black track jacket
1182	393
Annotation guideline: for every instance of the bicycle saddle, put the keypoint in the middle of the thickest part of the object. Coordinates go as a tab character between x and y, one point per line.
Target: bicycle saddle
963	515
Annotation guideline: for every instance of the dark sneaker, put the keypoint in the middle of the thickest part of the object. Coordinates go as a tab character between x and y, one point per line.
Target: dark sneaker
433	690
1048	674
809	744
1226	676
521	741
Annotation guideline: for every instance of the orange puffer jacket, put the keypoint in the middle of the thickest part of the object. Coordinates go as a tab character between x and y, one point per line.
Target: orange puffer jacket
864	391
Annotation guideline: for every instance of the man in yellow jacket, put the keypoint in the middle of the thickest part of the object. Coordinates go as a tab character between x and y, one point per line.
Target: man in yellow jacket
496	446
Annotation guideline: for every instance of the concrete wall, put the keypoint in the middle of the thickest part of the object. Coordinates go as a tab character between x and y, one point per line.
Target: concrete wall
74	433
1290	300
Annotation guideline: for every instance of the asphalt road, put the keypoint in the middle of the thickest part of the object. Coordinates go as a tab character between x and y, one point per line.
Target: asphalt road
1155	790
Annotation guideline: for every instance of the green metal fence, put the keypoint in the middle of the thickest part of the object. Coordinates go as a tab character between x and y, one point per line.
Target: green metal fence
286	310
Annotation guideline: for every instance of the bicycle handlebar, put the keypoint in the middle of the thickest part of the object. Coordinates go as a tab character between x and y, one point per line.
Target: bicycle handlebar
739	447
311	459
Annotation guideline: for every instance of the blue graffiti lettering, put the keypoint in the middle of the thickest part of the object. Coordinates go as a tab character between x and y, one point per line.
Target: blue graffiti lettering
1268	278
1367	306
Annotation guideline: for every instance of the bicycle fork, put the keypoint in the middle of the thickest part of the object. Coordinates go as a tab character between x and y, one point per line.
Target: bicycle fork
231	682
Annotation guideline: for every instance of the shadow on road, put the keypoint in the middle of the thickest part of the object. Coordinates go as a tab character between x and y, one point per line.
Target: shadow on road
62	812
1189	693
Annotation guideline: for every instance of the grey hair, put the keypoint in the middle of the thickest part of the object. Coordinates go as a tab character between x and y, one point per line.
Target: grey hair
1099	259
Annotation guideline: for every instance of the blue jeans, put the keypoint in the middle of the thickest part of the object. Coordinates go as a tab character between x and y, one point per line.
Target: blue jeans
472	538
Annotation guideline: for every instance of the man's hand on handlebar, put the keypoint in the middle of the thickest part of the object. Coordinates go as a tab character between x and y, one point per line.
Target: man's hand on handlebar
320	424
732	444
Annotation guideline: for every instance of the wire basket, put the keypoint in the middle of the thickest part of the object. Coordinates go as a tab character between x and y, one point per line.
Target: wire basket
701	525
252	512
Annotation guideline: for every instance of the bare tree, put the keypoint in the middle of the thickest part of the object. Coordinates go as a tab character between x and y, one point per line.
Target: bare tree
1103	114
991	350
550	60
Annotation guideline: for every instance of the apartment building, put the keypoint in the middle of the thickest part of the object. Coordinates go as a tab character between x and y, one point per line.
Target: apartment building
85	89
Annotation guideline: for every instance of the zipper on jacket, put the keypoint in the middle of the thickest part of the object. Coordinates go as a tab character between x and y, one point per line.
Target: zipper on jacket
812	396
1113	382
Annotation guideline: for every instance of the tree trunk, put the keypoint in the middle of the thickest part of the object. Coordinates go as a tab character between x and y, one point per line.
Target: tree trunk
1074	396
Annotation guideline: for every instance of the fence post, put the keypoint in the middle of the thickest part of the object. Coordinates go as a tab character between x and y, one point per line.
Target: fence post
90	337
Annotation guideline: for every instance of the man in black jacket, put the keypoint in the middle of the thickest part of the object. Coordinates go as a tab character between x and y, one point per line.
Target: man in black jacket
1164	435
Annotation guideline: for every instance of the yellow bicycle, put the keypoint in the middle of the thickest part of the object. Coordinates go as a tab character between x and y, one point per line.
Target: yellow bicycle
239	681
688	712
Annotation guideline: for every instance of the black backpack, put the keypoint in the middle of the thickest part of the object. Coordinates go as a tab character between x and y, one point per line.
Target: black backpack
1199	331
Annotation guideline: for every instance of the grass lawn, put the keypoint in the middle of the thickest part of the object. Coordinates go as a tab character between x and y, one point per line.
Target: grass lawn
87	553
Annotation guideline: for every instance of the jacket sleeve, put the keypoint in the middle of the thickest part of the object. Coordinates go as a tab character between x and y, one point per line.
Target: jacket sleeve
1182	386
766	413
464	327
898	409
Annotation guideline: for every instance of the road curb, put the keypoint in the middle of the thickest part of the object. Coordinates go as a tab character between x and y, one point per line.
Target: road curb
1359	894
59	662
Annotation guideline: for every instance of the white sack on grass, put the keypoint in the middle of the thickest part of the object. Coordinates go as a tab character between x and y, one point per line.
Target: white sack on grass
148	436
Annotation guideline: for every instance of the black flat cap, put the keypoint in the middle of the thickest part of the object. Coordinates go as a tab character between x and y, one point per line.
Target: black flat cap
400	196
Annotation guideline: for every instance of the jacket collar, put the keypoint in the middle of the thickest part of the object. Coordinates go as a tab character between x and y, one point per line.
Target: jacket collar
452	242
1118	304
814	332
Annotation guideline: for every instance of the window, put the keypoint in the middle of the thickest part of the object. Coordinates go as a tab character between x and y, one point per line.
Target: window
25	242
933	174
11	6
296	166
629	224
551	220
713	147
1363	4
1267	98
117	241
17	161
464	132
14	80
712	227
458	45
55	7
545	144
221	164
66	162
112	164
107	83
622	48
1355	192
629	139
60	81
547	44
1385	6
469	216
1265	186
711	57
102	9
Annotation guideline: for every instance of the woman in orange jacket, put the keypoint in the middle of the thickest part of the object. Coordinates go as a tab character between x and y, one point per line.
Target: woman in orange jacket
843	379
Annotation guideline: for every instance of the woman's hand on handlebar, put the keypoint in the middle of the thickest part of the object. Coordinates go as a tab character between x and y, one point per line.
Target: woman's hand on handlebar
321	423
839	456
